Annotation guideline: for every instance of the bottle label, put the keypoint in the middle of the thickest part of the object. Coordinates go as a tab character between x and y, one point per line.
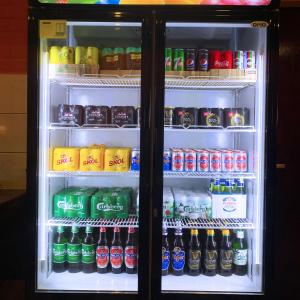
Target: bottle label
73	253
116	256
178	259
165	259
130	257
59	253
88	254
194	259
240	257
210	261
226	259
102	254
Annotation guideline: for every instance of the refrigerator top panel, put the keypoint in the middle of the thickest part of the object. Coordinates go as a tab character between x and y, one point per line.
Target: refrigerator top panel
164	2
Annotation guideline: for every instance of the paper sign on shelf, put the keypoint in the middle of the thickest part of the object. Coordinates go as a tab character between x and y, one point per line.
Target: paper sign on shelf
53	29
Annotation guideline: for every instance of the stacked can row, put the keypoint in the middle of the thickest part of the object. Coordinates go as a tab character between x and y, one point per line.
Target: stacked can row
193	59
201	160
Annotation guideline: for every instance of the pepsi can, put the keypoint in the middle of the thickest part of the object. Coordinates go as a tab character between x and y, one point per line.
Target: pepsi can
135	159
167	160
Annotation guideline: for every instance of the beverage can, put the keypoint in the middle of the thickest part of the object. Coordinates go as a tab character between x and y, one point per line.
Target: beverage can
122	203
238	59
80	55
168	59
177	160
59	202
108	204
202	60
190	160
55	55
168	115
249	59
214	59
240	161
135	159
92	56
167	160
202	160
190	59
178	59
227	161
226	59
67	55
215	161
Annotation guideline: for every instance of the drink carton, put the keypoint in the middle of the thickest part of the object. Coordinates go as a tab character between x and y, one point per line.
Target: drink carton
65	159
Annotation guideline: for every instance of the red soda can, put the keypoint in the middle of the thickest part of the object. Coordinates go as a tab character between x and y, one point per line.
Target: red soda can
203	160
238	60
177	160
240	161
215	59
227	161
190	160
226	59
215	161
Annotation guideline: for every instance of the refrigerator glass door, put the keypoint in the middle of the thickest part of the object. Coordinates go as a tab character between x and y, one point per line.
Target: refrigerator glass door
214	141
89	128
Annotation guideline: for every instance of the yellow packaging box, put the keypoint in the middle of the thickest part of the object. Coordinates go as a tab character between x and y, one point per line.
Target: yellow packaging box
117	159
66	159
92	158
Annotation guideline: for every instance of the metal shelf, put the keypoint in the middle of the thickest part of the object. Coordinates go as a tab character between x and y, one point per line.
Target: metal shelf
132	221
99	81
208	129
92	174
175	174
58	126
209	223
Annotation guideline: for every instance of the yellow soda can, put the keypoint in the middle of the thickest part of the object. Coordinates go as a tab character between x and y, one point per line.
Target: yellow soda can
92	56
80	55
55	55
66	159
67	55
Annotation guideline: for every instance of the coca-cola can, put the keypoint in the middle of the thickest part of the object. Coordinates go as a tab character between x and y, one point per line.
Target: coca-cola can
190	160
203	160
240	161
226	59
215	161
214	59
177	160
227	161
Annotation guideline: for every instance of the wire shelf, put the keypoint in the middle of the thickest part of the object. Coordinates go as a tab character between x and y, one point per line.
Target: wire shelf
175	174
132	221
198	128
170	83
92	174
59	126
209	223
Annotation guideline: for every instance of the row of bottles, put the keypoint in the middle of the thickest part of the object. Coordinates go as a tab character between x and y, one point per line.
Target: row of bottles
77	254
230	258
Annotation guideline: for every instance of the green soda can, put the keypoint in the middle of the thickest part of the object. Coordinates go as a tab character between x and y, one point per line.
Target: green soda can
168	59
178	59
122	202
59	202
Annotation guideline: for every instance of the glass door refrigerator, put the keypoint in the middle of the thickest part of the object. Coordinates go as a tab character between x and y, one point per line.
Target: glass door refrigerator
151	147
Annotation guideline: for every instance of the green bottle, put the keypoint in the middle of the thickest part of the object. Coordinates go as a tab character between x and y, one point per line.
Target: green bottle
74	251
217	187
88	253
59	250
240	186
240	254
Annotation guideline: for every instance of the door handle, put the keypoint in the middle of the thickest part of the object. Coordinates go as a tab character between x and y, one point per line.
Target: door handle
280	166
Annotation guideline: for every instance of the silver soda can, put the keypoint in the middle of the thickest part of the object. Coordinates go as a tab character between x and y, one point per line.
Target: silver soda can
249	60
240	161
227	161
177	160
215	161
190	160
238	59
202	160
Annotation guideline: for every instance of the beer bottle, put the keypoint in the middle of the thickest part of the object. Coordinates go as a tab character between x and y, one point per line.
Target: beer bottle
240	254
165	253
194	254
217	186
131	252
178	254
240	186
88	253
59	250
210	254
116	252
102	252
228	187
74	251
226	254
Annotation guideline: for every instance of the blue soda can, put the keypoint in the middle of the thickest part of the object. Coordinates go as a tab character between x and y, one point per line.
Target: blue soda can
167	160
135	159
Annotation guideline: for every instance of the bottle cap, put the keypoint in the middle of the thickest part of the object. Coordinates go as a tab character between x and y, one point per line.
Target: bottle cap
210	232
74	229
88	229
225	232
102	229
194	231
240	234
119	51
178	231
131	230
59	229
